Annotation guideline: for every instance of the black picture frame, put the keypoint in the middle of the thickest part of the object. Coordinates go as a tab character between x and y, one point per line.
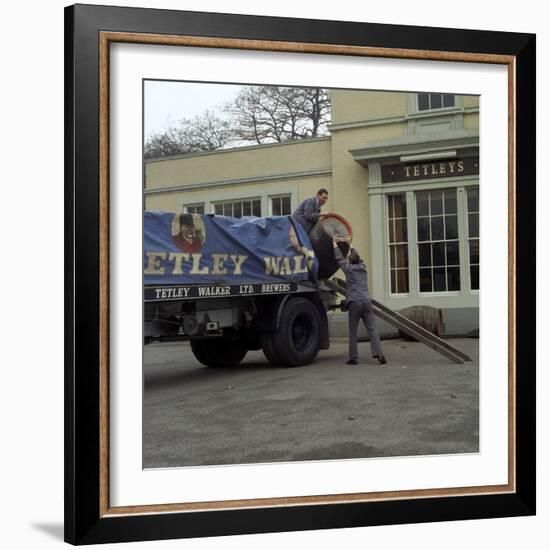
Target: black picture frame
87	520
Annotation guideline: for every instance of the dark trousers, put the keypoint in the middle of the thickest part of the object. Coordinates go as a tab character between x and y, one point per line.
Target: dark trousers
357	311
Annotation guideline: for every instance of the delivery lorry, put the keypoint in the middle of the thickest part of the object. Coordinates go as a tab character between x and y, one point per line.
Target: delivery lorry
232	285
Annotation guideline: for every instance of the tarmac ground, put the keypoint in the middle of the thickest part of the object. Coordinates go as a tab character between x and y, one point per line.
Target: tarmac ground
419	403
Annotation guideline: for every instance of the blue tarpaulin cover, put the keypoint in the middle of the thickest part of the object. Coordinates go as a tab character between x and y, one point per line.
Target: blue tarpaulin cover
205	249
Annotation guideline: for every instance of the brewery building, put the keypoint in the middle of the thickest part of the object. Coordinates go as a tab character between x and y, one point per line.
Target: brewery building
402	168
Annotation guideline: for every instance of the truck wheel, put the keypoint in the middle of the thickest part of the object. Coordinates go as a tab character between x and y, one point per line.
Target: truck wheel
297	340
219	352
269	348
197	347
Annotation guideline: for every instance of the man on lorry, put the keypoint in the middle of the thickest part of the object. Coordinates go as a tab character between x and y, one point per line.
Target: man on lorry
308	212
358	303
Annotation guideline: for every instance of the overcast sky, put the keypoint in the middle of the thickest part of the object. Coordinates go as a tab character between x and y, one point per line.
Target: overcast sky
166	102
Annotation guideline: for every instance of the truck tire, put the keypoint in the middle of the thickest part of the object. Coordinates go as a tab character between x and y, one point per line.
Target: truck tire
220	352
197	347
297	340
269	349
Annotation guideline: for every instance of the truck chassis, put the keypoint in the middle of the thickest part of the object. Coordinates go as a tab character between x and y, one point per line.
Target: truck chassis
288	320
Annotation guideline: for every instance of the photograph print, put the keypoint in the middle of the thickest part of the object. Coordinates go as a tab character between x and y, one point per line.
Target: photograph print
310	274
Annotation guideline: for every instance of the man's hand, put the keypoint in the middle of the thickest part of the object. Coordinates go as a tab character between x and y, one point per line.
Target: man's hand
334	242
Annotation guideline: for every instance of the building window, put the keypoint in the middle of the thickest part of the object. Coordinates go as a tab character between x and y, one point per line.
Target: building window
194	208
280	206
473	235
437	240
398	249
427	102
238	208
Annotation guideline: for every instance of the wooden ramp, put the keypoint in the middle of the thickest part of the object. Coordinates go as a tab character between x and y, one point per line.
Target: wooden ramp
407	326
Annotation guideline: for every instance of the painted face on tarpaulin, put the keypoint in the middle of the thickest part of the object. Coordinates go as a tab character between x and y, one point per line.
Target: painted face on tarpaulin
188	232
187	227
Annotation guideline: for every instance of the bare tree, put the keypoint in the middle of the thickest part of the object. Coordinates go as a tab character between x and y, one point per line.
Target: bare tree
259	114
314	106
270	114
162	144
199	134
205	132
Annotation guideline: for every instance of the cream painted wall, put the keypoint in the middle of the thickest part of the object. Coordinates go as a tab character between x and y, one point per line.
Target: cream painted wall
356	105
238	163
470	101
471	121
299	188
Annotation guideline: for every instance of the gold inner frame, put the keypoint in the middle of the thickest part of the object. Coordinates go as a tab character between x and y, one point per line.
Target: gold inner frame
105	39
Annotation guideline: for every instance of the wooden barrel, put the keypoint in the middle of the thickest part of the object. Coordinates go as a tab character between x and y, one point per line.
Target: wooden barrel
430	318
332	225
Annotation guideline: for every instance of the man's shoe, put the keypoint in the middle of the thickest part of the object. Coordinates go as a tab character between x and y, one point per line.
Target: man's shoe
382	360
351	362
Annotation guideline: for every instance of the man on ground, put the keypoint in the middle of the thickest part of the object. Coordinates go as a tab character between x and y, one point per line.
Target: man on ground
358	303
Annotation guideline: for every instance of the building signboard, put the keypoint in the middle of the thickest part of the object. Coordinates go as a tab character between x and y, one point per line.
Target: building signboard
430	169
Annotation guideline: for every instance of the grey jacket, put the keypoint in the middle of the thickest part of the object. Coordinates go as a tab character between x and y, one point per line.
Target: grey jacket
307	213
356	277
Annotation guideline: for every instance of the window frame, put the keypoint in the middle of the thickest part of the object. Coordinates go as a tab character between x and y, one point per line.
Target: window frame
242	200
389	245
468	239
458	240
194	205
414	113
380	275
279	196
432	109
